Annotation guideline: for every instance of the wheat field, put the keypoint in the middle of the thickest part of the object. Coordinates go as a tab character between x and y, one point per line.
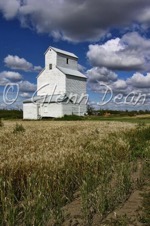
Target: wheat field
44	164
50	142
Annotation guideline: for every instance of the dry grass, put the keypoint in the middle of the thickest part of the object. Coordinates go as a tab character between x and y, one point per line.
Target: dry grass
51	141
42	167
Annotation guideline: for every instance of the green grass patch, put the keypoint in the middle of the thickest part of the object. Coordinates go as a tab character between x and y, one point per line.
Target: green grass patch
71	118
19	128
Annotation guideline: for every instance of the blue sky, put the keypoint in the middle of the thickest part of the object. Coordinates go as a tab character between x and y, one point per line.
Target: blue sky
110	37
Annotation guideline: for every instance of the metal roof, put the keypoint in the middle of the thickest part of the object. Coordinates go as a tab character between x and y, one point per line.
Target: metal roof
47	99
62	52
69	71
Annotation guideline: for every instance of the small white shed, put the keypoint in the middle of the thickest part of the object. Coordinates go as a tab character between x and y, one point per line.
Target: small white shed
61	88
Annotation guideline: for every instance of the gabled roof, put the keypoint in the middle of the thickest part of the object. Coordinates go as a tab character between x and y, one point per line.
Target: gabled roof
47	99
68	71
62	52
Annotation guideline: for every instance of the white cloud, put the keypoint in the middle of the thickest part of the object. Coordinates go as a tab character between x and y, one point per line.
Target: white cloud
131	52
75	20
3	81
136	84
37	68
101	74
25	95
9	76
12	76
26	86
119	85
138	80
9	8
17	63
97	76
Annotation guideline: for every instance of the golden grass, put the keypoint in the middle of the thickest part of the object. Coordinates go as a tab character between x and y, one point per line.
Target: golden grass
41	168
50	141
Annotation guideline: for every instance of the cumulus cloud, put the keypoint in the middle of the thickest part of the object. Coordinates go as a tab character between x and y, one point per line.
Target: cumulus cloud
37	68
26	86
97	76
17	63
9	8
131	52
14	77
139	80
9	76
101	74
75	20
136	84
119	84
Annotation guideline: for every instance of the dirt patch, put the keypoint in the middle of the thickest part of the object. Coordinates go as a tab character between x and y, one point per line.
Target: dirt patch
73	213
129	211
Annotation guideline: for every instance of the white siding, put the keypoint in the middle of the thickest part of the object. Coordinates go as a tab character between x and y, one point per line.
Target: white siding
51	82
82	109
50	58
67	109
75	85
74	109
30	111
62	62
79	110
51	110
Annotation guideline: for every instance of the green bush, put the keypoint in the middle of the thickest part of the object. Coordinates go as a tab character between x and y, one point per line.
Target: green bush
18	128
11	114
1	123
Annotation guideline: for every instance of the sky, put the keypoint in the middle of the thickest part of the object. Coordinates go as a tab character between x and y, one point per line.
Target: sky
110	37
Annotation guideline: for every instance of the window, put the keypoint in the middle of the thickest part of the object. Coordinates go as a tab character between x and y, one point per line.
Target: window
67	60
50	66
